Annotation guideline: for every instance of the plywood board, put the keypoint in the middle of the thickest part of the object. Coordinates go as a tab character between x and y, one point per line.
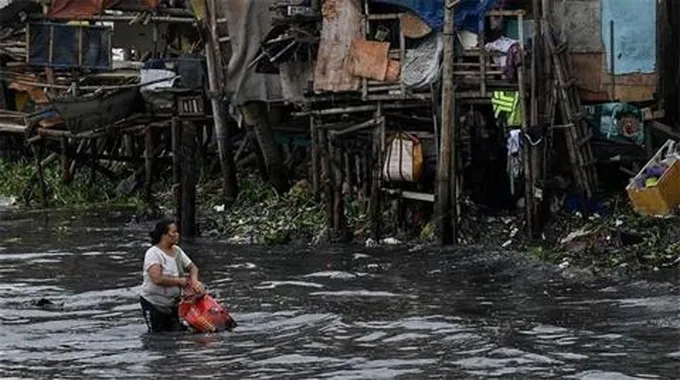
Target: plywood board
368	59
595	82
342	22
579	23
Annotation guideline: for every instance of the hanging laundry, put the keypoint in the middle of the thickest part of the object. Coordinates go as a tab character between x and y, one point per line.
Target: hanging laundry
507	103
511	59
514	166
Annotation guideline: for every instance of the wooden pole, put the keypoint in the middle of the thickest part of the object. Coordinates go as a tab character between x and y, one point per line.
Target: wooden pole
326	176
347	171
446	156
65	164
366	165
94	144
527	149
188	180
38	149
536	62
148	164
338	179
315	154
176	132
229	181
376	161
357	171
539	90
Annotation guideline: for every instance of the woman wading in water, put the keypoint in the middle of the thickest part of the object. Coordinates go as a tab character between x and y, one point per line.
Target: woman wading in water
165	277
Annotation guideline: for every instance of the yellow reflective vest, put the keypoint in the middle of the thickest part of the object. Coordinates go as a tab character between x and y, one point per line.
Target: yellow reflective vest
507	102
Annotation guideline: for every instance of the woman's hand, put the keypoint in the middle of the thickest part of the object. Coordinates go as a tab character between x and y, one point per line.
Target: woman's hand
194	286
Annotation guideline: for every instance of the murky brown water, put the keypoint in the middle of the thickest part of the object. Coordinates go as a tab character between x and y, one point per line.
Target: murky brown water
322	313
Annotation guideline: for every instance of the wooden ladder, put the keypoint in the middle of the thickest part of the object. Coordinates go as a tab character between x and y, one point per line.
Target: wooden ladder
577	131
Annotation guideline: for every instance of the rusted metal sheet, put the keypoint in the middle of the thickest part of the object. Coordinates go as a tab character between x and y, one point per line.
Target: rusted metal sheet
595	82
342	22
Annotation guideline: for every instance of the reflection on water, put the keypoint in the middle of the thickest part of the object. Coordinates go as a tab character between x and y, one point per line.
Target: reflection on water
331	313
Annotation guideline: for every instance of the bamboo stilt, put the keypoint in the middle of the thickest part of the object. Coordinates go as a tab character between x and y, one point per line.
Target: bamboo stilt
338	204
348	168
148	164
366	166
66	176
37	153
176	132
93	153
326	176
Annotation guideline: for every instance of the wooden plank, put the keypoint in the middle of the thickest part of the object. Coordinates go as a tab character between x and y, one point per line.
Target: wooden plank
416	196
665	129
368	59
342	22
12	128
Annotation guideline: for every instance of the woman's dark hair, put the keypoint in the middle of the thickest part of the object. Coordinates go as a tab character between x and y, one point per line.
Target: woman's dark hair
161	229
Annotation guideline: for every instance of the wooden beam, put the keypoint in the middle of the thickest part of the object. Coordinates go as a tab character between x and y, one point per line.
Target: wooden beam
226	157
188	180
112	18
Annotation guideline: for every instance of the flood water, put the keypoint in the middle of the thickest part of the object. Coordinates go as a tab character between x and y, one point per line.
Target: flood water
322	313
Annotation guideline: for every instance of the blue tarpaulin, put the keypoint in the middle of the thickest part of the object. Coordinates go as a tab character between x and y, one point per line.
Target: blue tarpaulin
432	12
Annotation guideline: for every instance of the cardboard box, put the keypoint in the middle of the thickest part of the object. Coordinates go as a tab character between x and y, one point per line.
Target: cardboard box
663	198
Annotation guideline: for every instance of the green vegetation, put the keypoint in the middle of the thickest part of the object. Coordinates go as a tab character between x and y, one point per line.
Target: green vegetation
262	216
82	191
623	239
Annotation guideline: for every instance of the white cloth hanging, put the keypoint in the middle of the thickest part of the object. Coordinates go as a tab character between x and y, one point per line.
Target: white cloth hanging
514	166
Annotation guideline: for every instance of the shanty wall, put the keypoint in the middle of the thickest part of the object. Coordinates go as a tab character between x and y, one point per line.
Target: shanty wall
585	25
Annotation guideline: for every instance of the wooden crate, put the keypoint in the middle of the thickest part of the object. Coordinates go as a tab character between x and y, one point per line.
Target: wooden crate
661	199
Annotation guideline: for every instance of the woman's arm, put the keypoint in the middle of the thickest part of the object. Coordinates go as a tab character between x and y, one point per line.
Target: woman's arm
156	275
193	283
193	272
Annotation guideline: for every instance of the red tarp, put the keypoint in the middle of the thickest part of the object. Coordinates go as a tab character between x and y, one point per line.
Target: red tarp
75	8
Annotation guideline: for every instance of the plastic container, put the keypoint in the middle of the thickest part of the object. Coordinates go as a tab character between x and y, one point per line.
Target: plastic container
205	315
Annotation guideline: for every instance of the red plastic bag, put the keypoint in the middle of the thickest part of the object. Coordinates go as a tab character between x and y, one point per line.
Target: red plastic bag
204	314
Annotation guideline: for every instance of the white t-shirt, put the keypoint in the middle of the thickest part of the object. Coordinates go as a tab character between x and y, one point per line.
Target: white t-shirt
163	295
